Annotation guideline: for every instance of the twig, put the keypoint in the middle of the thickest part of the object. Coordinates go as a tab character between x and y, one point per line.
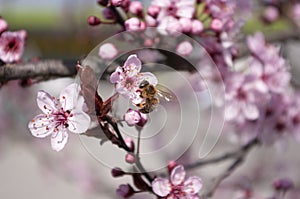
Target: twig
237	162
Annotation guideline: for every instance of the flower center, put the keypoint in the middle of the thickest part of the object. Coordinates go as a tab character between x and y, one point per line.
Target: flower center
61	118
172	9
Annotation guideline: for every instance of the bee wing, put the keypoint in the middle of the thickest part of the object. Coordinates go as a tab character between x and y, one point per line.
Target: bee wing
166	94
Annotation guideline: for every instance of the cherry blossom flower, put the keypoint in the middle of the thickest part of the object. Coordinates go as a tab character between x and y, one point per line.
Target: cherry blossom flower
108	51
60	116
168	13
12	45
134	24
128	78
133	117
267	65
177	186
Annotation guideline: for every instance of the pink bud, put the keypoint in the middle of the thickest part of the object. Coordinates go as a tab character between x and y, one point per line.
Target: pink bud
3	25
108	51
151	22
171	165
184	48
129	143
197	27
130	158
134	24
125	4
271	14
108	13
125	190
148	42
136	7
216	25
117	172
153	11
93	21
133	117
186	24
117	2
102	2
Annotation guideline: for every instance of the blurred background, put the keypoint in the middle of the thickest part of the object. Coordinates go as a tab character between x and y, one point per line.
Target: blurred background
30	168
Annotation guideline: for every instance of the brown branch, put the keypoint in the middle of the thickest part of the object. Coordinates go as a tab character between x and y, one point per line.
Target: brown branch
44	69
239	156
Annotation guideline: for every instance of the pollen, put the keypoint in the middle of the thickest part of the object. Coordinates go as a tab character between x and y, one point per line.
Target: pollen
45	107
32	120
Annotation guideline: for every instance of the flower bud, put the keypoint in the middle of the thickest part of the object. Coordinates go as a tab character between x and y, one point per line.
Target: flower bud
197	27
130	158
184	48
102	2
93	21
117	2
108	13
216	25
283	184
153	11
171	165
133	24
129	143
133	117
271	14
108	51
136	7
125	190
3	25
186	24
151	22
117	172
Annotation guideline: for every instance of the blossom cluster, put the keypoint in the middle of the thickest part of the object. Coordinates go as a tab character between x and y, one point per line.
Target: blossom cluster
11	43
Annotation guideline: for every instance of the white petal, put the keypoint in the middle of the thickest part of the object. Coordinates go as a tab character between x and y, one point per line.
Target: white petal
177	175
79	122
251	111
148	76
46	102
133	64
41	126
192	185
59	139
231	110
161	187
69	96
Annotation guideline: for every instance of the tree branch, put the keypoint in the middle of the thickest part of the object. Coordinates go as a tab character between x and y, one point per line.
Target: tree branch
239	156
45	69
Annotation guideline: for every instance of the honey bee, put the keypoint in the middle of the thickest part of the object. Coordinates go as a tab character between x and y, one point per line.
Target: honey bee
150	93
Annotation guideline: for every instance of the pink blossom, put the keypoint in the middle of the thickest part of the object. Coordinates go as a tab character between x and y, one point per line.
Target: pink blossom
270	69
3	25
177	186
170	12
184	48
108	51
197	27
136	7
242	97
60	116
216	25
133	117
134	24
128	78
186	24
12	45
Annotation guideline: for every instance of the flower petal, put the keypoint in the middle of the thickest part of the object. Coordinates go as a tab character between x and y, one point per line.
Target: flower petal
79	122
148	76
177	175
132	65
251	111
69	96
46	102
161	187
41	126
192	185
59	139
231	110
117	76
